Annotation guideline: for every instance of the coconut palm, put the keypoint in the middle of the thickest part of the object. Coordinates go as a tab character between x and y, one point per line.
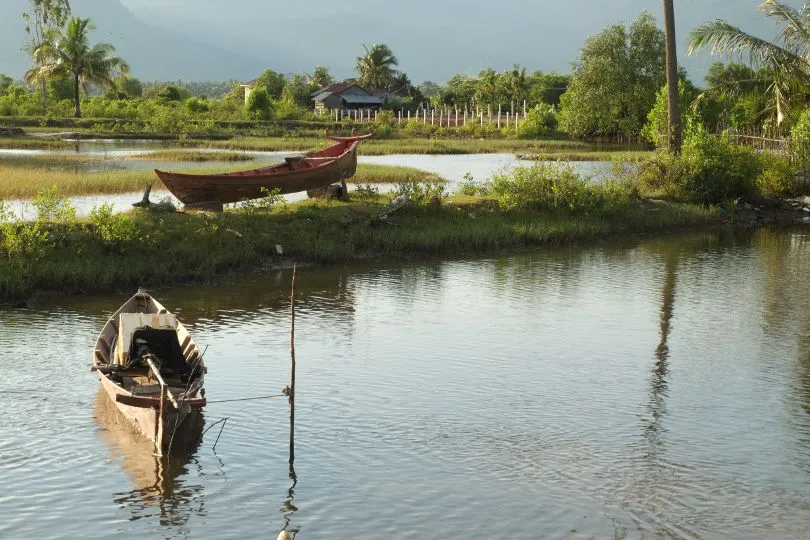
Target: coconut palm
516	85
673	97
70	54
376	68
788	60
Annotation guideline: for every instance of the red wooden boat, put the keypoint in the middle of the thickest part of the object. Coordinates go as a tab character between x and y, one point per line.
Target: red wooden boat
313	170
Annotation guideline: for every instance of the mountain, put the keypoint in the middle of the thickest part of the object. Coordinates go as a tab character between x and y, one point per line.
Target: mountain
153	52
217	39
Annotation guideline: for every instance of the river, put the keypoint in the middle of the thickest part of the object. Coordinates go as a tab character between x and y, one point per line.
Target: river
641	389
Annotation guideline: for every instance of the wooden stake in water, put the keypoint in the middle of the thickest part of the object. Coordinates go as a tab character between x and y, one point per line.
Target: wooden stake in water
291	394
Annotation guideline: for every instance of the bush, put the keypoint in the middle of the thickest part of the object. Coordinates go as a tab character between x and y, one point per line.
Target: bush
23	243
117	231
800	138
419	128
383	131
553	186
424	193
710	170
196	105
718	170
539	121
51	206
259	106
776	178
469	186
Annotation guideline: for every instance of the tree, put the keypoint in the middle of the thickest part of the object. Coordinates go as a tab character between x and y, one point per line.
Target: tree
71	54
673	105
489	84
272	82
259	106
547	88
376	67
615	81
787	60
5	83
41	25
320	78
515	83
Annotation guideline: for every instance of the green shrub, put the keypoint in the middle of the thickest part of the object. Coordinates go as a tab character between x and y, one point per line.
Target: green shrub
53	207
258	105
419	128
776	178
423	193
558	187
23	243
117	231
196	105
539	121
800	138
383	131
469	186
718	170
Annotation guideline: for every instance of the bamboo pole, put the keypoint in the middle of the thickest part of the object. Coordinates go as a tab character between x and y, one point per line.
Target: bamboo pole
160	423
292	373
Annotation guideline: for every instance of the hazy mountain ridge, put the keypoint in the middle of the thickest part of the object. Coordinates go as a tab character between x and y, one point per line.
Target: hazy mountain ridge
212	39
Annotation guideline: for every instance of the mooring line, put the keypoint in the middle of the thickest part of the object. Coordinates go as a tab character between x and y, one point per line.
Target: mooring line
245	399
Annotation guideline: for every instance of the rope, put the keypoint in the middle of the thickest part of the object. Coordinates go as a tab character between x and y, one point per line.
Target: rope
245	399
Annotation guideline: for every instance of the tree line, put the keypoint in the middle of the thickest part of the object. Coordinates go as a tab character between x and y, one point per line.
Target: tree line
617	86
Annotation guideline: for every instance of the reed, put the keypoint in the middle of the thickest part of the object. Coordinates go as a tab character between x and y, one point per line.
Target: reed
316	231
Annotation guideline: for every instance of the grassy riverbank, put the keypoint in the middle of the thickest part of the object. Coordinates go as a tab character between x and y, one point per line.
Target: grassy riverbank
161	249
71	175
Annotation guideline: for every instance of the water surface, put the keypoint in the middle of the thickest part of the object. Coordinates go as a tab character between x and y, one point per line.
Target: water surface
641	390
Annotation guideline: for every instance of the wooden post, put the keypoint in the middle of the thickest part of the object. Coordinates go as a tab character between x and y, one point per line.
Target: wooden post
456	116
291	393
524	108
499	117
160	426
399	121
507	119
441	117
409	115
432	115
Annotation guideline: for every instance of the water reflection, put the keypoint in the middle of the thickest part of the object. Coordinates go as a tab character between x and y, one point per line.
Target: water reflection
288	508
161	489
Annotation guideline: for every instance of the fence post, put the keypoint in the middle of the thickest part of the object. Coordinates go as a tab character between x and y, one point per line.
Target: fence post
499	116
507	119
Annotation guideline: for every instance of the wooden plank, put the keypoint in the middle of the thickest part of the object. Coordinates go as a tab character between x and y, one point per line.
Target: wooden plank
146	402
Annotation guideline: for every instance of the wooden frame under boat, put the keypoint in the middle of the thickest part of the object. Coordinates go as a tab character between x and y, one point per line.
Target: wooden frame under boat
157	391
310	171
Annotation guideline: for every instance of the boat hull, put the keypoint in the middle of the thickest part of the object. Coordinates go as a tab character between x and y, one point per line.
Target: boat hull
144	410
147	418
310	171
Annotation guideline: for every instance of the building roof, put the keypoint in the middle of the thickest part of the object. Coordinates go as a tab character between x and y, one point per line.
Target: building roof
363	100
322	96
337	88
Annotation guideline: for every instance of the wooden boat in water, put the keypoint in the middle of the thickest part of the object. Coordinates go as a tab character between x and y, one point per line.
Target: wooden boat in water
151	368
309	171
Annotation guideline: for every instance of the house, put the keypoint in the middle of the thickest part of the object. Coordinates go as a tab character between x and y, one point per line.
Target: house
248	86
346	95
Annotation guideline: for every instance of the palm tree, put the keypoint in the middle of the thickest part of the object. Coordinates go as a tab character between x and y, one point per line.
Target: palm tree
788	60
516	85
70	54
673	105
376	68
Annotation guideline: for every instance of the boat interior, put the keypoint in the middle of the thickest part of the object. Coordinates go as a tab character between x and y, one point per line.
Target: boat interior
132	337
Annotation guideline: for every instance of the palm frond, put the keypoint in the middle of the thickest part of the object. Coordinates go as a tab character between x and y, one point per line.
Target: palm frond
721	37
795	35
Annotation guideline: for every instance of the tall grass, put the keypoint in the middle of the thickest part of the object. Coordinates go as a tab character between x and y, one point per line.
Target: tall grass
156	249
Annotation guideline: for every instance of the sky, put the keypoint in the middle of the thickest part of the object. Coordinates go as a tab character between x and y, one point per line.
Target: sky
433	39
